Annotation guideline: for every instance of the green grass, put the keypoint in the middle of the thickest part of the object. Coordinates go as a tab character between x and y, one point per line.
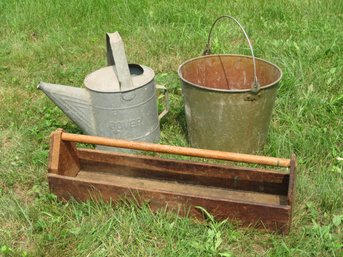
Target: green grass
62	41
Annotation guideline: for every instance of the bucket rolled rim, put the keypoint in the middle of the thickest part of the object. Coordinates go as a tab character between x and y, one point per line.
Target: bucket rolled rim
228	90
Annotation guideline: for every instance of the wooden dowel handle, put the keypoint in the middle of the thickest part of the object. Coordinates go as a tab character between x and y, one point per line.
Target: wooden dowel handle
195	152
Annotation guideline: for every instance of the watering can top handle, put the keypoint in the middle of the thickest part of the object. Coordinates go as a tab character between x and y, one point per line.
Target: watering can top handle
116	56
256	86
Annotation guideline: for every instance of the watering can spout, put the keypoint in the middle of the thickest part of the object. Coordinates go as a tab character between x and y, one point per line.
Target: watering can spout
74	102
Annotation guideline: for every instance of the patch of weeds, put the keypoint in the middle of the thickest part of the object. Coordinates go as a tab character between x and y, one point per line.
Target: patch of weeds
213	239
324	231
7	251
326	237
40	157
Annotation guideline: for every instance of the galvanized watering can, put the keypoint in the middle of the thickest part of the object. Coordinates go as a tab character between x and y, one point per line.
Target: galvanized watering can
229	99
119	100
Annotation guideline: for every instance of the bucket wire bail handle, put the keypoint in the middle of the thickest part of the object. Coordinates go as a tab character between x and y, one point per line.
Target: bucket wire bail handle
256	86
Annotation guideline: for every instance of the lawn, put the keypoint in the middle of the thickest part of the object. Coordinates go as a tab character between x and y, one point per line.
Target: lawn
62	41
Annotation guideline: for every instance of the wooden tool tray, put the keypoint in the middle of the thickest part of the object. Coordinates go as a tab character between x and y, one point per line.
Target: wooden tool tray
255	197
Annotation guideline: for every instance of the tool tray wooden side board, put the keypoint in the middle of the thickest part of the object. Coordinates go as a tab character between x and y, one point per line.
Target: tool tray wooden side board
261	198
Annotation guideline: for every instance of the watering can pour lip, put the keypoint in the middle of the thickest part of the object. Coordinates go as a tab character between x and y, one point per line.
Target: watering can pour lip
119	76
99	80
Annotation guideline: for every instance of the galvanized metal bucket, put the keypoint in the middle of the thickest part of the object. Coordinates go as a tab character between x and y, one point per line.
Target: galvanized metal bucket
229	99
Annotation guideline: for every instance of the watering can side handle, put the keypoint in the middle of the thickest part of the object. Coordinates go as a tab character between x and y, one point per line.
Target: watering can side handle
256	86
166	100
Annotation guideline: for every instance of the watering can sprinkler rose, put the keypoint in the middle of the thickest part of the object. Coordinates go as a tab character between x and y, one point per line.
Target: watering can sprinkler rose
118	101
